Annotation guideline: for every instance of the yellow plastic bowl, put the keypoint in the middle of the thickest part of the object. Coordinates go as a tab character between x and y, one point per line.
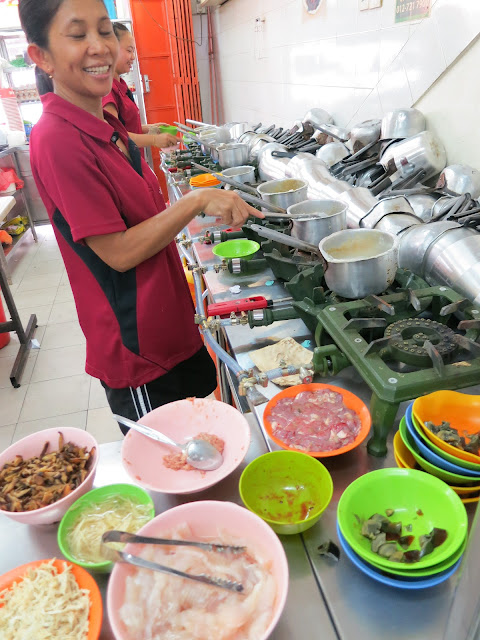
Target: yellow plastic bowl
461	410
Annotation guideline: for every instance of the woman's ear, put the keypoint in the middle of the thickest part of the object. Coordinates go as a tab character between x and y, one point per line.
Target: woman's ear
41	58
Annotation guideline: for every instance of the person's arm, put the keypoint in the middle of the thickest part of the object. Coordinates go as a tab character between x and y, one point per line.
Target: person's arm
125	250
162	141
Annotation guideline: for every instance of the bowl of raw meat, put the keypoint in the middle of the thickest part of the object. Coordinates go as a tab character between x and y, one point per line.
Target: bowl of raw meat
318	419
143	603
159	467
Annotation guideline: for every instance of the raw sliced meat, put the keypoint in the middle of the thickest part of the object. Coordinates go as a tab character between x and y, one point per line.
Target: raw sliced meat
315	421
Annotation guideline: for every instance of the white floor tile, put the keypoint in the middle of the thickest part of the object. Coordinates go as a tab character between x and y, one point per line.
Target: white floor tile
54	398
42	313
59	363
6	435
65	279
11	401
102	426
11	349
64	294
45	281
47	252
23	429
62	334
98	398
63	312
41	297
44	267
6	365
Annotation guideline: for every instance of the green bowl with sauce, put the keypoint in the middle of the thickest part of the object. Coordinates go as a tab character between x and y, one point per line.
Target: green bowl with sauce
287	489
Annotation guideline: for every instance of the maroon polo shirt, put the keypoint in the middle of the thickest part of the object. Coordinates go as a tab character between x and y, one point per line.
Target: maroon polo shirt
138	324
128	112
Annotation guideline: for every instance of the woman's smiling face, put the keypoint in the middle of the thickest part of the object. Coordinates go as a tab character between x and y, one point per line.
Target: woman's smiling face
126	54
82	50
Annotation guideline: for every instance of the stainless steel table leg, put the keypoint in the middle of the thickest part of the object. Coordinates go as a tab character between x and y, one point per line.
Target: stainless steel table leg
24	198
4	265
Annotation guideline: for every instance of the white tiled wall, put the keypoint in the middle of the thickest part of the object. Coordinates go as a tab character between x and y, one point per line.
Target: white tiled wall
357	65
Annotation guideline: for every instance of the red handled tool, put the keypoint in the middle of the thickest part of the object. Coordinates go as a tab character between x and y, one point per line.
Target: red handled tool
224	309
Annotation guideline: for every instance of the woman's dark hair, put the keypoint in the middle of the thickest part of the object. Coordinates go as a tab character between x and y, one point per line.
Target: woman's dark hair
43	81
36	18
119	29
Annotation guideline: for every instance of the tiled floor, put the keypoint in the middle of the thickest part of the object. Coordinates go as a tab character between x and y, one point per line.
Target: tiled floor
55	391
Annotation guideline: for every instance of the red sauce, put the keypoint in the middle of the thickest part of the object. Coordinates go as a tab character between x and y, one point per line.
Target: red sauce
419	512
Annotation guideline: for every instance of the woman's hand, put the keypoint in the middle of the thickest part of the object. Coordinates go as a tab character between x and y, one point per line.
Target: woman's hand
226	205
164	140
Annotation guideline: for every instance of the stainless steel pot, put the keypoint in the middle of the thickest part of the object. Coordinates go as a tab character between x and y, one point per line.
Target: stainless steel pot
319	219
243	174
402	123
458	179
283	193
360	262
384	207
256	144
423	151
316	117
422	205
415	242
269	167
232	154
364	133
332	153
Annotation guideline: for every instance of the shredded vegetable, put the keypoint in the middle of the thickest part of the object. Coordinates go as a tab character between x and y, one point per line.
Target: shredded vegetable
45	605
84	538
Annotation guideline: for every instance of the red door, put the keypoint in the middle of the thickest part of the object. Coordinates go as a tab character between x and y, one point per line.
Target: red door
166	54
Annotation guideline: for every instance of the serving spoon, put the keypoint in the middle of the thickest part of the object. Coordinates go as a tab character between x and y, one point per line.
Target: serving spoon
200	454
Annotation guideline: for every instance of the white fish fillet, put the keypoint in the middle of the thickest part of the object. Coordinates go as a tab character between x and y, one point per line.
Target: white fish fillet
163	607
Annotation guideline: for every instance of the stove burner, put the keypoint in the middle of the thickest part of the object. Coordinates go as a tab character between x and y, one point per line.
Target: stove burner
409	347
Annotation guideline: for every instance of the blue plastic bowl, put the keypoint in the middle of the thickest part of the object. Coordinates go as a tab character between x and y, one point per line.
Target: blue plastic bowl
430	455
398	582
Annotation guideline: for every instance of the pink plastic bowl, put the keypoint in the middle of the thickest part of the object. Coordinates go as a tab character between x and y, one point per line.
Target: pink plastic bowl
182	420
32	446
206	518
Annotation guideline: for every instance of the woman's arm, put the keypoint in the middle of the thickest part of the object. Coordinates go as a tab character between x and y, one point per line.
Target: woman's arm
125	250
161	141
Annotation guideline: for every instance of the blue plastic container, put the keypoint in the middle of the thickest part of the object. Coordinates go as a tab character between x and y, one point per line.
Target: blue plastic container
111	8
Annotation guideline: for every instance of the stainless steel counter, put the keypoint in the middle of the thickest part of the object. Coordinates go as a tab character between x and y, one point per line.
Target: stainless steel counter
358	606
305	611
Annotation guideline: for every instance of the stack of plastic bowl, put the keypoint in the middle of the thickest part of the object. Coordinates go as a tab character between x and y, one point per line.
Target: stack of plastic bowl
421	503
415	446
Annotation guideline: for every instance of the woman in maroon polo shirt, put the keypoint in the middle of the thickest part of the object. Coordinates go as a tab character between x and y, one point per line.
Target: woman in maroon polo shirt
120	101
109	218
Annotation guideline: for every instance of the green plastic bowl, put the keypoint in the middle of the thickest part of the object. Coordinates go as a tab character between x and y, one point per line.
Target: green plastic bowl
417	498
428	571
454	479
466	464
240	248
94	497
168	129
287	489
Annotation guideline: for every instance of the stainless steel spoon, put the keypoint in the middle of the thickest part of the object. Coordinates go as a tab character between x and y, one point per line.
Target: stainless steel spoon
200	453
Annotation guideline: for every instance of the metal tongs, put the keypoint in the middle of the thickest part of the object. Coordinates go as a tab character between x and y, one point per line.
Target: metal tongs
122	556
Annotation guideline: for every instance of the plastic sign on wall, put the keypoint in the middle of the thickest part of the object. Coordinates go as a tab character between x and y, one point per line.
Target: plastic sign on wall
312	6
9	14
406	10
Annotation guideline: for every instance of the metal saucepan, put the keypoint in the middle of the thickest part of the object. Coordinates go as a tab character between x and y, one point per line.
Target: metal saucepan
361	262
357	262
317	219
423	151
363	134
228	180
334	132
243	174
332	153
402	123
232	154
458	179
283	193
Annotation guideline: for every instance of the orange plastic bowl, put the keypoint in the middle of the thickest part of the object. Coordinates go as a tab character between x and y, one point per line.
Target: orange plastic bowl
460	409
84	581
352	401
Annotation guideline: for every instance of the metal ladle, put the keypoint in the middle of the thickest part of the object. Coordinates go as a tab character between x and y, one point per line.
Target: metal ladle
200	453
